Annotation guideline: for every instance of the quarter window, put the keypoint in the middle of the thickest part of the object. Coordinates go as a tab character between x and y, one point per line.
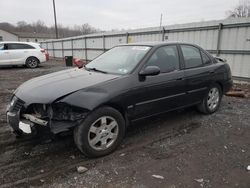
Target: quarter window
192	56
166	58
205	58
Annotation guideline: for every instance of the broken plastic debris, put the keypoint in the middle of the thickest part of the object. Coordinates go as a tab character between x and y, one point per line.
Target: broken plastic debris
248	167
199	180
158	176
81	169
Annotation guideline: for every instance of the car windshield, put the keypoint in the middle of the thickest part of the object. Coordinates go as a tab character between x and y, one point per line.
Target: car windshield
119	60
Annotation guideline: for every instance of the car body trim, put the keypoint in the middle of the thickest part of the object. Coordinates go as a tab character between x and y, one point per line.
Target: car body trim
159	99
196	90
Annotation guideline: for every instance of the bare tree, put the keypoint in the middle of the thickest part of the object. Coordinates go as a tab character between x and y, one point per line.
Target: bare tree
40	27
241	10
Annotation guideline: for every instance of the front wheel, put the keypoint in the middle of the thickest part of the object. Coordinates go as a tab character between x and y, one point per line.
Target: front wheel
100	133
211	101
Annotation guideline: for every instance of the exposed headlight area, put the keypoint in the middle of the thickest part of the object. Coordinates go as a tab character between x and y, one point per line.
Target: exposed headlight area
65	112
15	104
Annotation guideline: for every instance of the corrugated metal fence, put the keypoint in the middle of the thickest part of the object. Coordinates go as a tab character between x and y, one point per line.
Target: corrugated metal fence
229	39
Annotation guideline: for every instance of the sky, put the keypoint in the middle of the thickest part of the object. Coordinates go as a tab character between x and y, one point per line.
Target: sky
115	14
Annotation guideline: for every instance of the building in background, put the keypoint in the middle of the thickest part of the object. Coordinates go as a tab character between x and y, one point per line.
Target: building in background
7	36
34	37
25	36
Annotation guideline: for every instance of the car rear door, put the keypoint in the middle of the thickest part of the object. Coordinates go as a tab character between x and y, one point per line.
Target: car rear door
198	72
163	92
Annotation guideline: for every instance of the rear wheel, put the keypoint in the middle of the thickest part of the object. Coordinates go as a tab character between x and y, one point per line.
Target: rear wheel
100	133
211	101
32	62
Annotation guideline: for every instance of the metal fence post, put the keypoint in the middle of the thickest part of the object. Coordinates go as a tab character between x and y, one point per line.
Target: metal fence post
86	53
127	35
62	50
72	49
82	41
163	33
103	43
219	39
53	48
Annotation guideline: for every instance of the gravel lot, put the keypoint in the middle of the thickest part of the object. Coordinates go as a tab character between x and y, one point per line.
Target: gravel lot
183	149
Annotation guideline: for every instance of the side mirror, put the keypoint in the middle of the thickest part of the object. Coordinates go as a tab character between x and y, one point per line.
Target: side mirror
150	71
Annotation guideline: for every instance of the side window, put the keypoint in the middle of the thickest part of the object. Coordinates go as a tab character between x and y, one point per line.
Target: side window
1	46
5	47
192	56
166	58
206	60
27	46
15	46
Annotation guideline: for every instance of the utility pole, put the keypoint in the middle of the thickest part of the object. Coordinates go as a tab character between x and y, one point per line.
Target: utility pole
160	21
54	7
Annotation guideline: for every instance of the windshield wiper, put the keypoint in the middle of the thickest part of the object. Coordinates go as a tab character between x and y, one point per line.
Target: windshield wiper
96	70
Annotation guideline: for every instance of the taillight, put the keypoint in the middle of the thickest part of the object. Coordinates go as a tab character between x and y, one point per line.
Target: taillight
42	50
47	56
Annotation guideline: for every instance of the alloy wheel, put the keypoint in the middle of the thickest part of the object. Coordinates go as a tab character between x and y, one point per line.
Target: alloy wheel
32	63
213	98
103	133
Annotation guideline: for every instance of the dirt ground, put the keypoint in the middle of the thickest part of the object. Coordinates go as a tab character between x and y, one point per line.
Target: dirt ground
185	149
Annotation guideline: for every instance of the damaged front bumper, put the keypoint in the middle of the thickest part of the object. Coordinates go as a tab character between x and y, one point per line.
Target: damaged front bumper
54	118
24	125
13	120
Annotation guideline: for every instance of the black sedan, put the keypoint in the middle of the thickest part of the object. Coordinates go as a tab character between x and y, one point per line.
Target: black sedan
126	84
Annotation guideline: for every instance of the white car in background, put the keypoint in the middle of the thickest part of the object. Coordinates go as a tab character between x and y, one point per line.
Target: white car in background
22	53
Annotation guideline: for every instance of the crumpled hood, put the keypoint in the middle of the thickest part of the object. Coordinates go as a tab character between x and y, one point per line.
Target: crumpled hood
45	89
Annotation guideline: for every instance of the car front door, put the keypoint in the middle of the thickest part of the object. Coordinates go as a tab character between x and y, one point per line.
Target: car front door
198	72
4	54
162	92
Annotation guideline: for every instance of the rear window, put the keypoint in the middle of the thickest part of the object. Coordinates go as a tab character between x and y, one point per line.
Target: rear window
16	46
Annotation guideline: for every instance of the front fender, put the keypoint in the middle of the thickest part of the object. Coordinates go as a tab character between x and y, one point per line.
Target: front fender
88	99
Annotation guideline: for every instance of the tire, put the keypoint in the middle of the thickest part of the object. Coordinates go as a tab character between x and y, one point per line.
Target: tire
100	133
211	102
32	62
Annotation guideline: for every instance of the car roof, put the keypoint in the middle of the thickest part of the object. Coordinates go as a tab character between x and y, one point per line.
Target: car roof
18	42
157	43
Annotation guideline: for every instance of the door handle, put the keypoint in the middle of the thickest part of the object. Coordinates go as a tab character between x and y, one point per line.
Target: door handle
180	78
211	72
6	52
